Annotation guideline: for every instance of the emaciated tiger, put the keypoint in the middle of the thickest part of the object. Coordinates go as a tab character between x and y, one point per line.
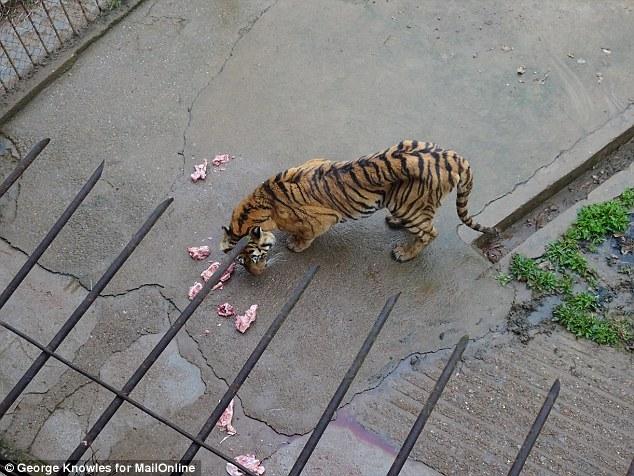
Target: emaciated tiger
409	179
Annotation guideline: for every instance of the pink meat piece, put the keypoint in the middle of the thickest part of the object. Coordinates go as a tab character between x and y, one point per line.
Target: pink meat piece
244	322
200	171
225	420
213	267
198	252
226	310
225	277
248	461
221	159
195	289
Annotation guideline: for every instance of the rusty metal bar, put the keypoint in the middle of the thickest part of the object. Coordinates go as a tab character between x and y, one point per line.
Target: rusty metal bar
83	10
317	433
48	15
424	414
77	314
23	165
538	424
118	392
248	366
4	50
50	236
28	15
26	50
132	382
70	23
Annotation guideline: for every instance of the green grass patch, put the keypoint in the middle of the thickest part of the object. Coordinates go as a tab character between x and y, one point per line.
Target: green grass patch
578	314
565	254
595	222
540	280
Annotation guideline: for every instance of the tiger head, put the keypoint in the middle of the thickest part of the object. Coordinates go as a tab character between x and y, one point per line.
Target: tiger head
254	257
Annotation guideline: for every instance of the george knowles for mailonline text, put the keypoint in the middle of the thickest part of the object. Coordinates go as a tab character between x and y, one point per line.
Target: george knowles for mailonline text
109	468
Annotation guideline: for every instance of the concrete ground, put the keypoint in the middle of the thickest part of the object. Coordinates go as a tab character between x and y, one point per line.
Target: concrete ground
276	84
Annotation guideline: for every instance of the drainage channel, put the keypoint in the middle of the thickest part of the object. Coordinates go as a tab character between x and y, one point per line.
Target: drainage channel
613	158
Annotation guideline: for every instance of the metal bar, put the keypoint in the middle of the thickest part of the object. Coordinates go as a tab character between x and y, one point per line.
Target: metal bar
77	314
48	15
10	60
23	165
424	414
72	27
538	424
308	449
248	366
28	15
83	11
26	50
50	236
153	355
118	392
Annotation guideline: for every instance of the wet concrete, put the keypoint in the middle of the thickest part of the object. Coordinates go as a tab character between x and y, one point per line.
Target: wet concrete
276	84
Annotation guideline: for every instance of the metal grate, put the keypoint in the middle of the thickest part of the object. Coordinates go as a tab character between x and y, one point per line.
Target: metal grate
198	440
32	30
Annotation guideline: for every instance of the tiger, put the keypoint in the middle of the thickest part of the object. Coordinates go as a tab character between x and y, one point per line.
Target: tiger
409	179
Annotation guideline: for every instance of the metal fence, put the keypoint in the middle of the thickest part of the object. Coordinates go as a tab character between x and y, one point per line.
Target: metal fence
198	440
31	30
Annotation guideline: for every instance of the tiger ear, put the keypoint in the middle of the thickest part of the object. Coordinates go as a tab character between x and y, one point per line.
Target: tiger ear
226	230
256	233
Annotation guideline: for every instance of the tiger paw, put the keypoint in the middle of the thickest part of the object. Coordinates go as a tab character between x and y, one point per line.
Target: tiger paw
393	222
402	253
297	245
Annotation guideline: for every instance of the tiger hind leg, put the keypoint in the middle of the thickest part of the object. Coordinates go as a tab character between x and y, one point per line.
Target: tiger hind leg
423	235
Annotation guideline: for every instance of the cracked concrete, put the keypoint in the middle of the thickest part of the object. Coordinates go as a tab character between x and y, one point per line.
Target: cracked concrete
276	83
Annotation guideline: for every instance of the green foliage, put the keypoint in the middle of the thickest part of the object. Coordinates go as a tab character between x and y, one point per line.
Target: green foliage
566	255
503	278
578	314
596	221
543	281
627	198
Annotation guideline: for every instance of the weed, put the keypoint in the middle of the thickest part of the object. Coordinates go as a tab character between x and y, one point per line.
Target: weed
596	221
577	314
627	198
541	280
114	4
566	255
503	278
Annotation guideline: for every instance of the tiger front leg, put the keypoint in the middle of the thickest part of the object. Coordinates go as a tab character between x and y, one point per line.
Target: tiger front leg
299	243
424	234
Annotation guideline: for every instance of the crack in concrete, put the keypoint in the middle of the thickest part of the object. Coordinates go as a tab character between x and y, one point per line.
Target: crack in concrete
78	279
225	381
561	152
56	407
244	31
